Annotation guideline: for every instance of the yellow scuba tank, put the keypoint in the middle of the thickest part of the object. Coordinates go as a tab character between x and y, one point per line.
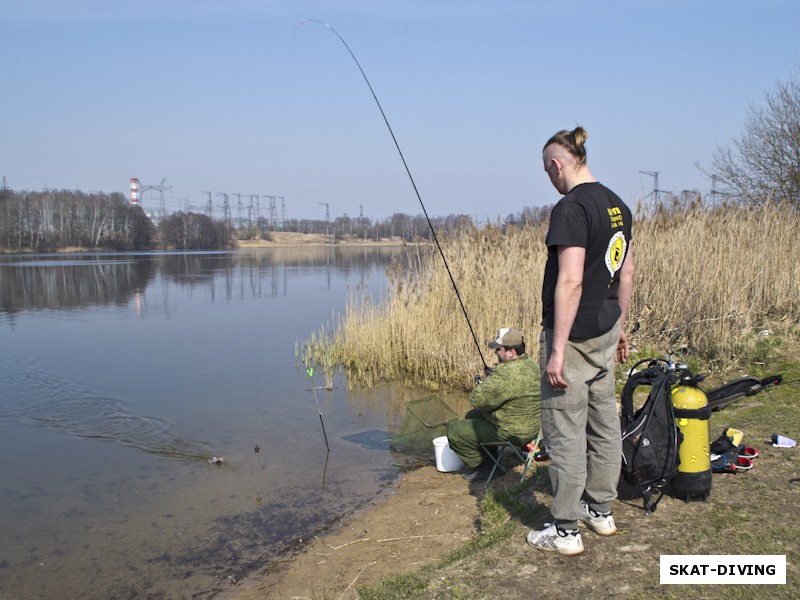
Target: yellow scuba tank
690	407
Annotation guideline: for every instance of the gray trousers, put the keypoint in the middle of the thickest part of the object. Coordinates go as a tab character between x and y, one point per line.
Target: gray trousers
581	425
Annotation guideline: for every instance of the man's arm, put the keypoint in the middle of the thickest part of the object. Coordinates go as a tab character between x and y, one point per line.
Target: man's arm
492	393
625	294
569	288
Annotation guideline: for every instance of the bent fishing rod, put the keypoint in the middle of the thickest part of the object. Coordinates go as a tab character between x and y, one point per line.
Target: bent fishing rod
411	178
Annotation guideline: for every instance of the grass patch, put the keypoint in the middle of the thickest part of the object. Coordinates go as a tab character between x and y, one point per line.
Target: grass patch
406	585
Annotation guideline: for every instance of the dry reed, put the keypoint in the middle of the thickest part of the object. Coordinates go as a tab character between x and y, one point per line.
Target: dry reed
707	280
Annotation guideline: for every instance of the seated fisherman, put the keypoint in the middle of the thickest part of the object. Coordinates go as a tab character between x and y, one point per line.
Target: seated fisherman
505	406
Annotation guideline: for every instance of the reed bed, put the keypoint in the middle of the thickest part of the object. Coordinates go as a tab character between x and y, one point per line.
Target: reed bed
711	282
717	281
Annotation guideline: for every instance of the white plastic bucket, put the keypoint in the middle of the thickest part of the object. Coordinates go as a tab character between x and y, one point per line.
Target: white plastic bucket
447	461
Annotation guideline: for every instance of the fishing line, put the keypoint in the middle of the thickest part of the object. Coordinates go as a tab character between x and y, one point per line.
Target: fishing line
410	177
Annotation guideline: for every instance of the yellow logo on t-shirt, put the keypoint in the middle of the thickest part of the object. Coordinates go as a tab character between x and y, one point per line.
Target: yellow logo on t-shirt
615	214
615	253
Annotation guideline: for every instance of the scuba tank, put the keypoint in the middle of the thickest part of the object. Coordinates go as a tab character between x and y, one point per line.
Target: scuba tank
691	410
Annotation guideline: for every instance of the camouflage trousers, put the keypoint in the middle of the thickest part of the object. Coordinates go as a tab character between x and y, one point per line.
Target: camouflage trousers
466	435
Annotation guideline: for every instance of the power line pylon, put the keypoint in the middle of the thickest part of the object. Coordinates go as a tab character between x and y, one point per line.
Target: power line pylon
238	210
656	193
226	207
327	219
161	188
272	215
361	222
209	206
251	211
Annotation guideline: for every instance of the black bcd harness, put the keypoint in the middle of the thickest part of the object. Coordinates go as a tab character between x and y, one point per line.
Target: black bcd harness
650	438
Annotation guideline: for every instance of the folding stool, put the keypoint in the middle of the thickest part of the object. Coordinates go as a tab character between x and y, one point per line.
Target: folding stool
531	448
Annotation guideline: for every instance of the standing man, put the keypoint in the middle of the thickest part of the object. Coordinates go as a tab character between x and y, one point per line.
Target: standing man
505	406
587	288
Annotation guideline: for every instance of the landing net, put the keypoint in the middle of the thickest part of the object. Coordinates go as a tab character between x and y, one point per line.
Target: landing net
425	419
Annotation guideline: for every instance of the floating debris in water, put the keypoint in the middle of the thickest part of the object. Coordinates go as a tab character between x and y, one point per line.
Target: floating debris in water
216	460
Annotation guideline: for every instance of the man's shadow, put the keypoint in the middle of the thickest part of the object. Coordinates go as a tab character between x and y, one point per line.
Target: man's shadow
516	496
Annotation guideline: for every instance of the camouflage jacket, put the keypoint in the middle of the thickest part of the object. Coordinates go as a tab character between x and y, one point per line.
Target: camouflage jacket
509	397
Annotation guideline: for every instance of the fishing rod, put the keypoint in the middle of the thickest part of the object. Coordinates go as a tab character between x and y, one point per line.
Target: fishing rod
411	178
310	373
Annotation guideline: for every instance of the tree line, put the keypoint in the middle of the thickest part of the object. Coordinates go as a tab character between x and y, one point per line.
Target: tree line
399	225
50	220
58	219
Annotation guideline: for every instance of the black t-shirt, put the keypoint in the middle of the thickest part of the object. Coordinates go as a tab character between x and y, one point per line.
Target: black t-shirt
595	218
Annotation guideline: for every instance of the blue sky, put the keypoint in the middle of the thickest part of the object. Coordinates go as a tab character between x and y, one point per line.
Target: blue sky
230	96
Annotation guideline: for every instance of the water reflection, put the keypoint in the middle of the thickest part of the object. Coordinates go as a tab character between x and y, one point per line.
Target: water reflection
35	282
27	284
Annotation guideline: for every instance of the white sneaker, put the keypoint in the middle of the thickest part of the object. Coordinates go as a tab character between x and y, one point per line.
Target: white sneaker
553	539
599	523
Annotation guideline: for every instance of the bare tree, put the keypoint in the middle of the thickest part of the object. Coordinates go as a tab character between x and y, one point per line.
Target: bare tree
764	163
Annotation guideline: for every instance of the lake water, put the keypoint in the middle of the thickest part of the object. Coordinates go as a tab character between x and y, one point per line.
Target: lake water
121	375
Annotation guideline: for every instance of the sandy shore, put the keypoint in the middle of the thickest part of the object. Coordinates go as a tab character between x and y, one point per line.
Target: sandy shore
287	239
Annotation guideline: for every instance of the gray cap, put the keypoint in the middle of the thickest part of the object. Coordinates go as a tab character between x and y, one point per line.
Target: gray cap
506	337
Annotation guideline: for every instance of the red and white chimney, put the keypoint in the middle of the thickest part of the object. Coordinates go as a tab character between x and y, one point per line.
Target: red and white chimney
135	191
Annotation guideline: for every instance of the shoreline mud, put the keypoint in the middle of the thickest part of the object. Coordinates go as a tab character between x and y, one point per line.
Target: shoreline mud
428	515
